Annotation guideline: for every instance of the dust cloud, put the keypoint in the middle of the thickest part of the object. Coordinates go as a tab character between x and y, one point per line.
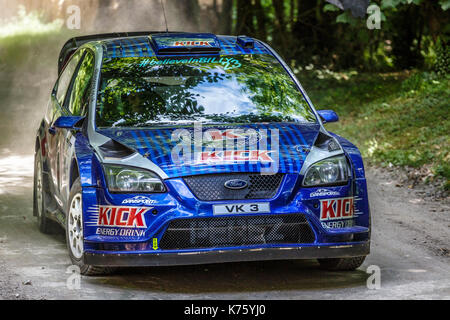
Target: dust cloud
28	60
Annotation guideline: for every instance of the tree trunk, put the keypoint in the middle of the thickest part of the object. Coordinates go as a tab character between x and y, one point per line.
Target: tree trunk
261	21
280	38
225	18
244	23
190	11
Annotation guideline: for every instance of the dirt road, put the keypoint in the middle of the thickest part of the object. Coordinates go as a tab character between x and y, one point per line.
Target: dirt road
411	243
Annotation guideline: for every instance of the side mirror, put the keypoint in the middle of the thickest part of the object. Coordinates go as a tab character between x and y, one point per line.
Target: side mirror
71	123
328	116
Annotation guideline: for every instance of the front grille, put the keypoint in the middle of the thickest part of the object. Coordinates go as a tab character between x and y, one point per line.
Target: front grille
202	233
212	187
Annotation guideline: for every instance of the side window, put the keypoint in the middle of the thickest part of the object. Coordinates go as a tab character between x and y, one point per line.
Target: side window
81	89
66	78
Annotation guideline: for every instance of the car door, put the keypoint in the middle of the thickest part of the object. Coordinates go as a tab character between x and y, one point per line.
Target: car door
54	136
77	104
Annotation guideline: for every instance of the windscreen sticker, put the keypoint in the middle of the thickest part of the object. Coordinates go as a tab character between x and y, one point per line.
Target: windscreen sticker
227	63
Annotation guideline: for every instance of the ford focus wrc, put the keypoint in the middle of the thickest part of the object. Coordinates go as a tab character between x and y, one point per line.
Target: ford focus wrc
178	148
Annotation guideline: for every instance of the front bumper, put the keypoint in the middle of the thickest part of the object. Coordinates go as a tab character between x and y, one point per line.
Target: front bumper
221	256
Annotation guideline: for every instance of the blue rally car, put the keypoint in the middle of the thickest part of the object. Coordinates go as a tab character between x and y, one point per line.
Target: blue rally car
179	148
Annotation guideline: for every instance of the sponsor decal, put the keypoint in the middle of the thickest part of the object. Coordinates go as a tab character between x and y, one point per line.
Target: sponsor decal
139	200
114	232
214	157
155	243
118	221
338	224
201	43
232	146
226	62
323	193
122	217
337	209
251	135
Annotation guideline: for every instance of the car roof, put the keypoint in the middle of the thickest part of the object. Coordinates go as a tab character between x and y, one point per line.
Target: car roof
142	47
142	44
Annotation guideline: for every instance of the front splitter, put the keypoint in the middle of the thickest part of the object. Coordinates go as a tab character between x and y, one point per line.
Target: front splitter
112	259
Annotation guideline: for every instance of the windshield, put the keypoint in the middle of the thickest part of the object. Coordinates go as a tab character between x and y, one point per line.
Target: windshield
140	92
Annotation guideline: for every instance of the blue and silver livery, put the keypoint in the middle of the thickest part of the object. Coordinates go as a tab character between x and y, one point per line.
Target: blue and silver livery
191	148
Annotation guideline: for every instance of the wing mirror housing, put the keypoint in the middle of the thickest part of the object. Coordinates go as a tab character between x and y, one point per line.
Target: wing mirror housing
328	116
70	123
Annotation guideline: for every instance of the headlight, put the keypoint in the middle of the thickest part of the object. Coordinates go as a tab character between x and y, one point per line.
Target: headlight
126	179
327	172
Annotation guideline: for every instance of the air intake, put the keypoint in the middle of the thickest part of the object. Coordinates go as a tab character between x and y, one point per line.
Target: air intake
202	233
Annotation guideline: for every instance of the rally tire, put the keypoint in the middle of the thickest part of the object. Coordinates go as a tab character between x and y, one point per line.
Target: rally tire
46	225
75	236
341	264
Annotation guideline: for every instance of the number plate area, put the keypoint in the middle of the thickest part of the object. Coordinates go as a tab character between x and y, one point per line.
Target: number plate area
241	208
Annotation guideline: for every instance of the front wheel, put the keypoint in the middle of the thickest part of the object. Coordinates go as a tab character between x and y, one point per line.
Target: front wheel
342	264
75	235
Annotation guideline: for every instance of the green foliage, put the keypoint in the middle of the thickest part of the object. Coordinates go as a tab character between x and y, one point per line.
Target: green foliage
29	24
346	17
330	7
386	4
396	118
321	33
442	65
445	4
418	81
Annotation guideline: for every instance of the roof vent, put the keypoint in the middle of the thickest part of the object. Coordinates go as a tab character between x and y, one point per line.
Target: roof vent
245	42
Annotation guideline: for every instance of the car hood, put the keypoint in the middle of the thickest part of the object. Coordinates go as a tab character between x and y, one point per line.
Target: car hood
256	148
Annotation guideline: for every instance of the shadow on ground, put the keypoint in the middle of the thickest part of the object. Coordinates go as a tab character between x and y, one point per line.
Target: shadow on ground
233	277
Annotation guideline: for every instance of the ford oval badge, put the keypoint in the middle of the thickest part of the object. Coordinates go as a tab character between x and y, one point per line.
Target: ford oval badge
236	184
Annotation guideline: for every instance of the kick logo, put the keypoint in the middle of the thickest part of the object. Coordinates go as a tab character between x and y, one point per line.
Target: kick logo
214	157
232	146
334	209
193	44
122	217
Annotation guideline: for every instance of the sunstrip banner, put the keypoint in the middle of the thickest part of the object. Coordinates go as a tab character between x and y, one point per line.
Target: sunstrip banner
197	40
